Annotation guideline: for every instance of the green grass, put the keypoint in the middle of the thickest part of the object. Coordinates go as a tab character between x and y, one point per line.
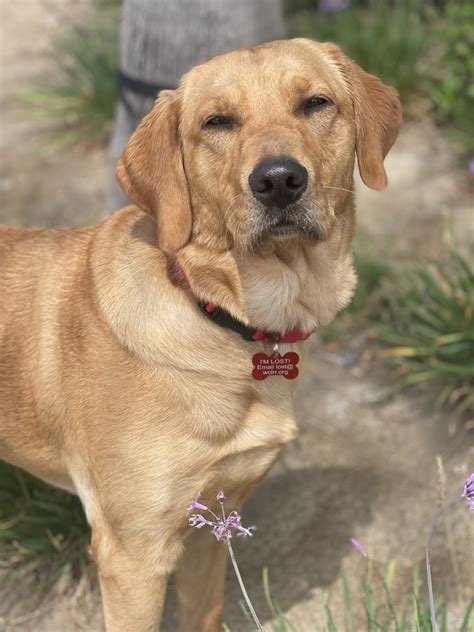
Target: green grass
281	623
421	316
385	616
371	273
428	329
78	98
386	38
43	531
452	89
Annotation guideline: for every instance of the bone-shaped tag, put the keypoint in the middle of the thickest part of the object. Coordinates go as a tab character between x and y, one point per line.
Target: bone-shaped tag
275	364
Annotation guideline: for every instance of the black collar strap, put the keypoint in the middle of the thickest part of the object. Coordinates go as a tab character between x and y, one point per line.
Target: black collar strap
224	319
250	334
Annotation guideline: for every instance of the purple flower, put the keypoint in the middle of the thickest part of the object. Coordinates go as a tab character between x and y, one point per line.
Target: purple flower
245	532
468	491
333	6
221	531
234	521
198	521
359	548
197	505
470	167
222	528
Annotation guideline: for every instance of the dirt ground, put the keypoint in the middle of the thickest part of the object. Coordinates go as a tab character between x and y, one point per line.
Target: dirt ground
360	467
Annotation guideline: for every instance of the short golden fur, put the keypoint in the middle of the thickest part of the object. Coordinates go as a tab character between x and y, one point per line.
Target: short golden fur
113	385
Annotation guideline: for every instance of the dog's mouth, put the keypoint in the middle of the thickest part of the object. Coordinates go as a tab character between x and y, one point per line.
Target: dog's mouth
275	224
283	229
290	225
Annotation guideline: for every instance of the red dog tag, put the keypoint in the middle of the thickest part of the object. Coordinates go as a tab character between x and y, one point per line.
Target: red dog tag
275	364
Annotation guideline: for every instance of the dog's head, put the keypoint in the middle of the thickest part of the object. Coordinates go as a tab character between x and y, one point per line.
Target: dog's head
259	144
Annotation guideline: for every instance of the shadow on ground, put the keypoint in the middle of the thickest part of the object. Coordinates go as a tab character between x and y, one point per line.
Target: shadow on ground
305	519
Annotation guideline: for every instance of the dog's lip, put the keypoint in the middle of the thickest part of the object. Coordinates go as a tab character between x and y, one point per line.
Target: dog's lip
283	229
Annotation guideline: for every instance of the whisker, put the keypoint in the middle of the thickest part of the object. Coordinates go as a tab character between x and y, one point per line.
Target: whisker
338	189
229	211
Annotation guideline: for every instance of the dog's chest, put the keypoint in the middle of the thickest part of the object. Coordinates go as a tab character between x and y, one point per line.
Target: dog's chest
238	428
221	425
267	426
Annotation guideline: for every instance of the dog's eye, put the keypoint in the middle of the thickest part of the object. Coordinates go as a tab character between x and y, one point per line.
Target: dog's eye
316	103
218	121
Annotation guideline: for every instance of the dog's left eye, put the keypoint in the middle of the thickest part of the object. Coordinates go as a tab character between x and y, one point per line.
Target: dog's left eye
315	103
218	120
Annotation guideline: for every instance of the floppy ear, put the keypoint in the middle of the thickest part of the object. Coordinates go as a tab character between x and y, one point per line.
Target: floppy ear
151	172
378	117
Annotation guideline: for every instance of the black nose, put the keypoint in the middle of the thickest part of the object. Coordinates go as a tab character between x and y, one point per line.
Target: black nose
278	181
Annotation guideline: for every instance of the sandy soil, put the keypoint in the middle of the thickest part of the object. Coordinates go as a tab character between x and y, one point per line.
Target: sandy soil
360	467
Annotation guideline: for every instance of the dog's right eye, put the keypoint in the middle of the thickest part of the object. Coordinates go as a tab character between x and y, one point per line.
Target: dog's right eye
315	103
218	121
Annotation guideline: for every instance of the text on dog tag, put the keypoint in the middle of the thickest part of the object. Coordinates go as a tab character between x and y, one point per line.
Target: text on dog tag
275	364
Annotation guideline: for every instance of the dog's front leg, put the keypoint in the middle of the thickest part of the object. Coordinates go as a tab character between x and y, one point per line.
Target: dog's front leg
200	580
132	581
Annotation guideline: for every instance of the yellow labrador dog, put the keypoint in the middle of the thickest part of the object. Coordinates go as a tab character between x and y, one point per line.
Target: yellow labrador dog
126	367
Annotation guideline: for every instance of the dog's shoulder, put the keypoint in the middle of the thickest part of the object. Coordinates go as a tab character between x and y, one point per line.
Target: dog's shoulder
129	226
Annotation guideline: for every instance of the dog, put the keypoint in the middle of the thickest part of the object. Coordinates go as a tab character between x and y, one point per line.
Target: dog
127	366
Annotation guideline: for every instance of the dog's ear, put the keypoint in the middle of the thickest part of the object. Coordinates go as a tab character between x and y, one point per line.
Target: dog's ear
151	172
378	117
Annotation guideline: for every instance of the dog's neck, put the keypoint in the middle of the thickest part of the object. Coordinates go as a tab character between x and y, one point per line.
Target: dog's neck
284	285
295	283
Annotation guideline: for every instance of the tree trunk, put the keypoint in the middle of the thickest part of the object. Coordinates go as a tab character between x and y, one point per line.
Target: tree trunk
160	40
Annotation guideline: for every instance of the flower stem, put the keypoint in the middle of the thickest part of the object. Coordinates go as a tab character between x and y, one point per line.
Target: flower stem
434	522
242	588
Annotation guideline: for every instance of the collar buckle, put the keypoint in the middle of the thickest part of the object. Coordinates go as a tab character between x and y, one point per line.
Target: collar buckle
272	336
